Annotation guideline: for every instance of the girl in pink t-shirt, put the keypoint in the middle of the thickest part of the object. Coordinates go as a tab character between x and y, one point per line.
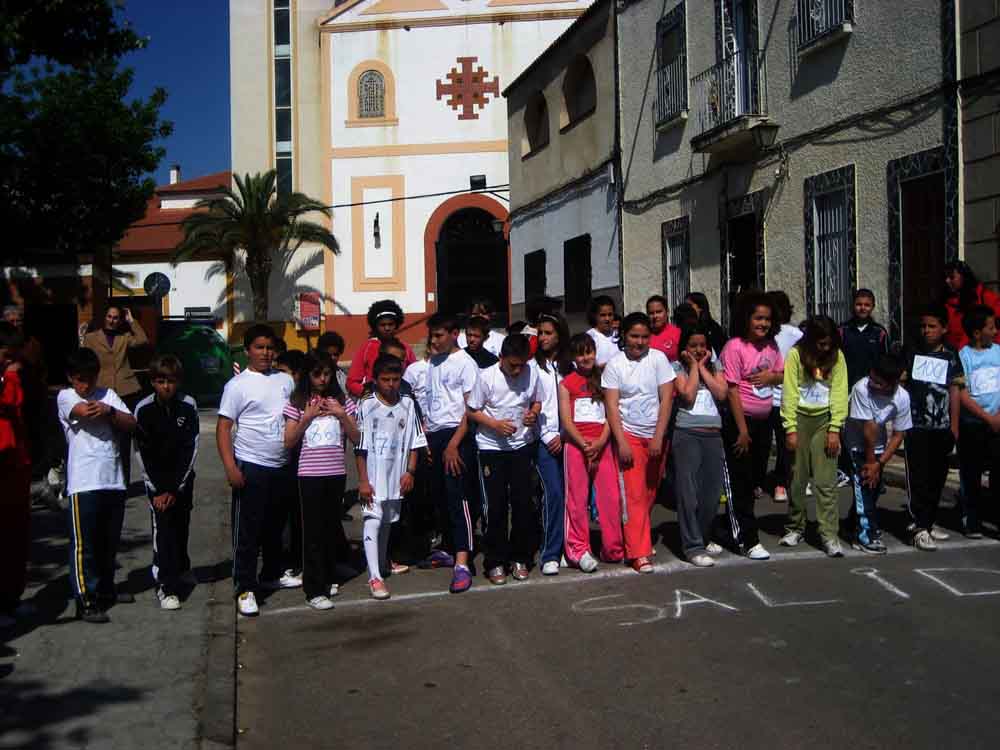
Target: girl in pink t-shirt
588	459
752	365
663	335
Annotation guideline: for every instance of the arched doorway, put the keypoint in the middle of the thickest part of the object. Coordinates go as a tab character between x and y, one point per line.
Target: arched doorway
467	255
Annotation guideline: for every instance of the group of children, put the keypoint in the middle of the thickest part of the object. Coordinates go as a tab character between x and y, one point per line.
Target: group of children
469	435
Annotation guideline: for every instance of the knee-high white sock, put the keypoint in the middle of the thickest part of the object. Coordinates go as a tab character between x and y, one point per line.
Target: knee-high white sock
372	541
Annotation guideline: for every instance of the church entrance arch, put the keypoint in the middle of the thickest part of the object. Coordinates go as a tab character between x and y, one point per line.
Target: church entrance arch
466	256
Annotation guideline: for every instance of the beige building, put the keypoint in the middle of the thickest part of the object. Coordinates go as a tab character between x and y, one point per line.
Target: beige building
806	145
390	111
564	219
980	91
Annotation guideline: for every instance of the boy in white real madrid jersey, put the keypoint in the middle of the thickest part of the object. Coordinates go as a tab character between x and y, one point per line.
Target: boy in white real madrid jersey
391	438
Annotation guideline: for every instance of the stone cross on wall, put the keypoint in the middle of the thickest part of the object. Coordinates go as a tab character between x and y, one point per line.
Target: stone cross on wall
468	88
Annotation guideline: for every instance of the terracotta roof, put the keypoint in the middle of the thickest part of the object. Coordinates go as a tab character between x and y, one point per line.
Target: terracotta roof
159	231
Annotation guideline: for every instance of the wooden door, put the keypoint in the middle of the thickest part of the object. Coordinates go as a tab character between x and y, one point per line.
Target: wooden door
922	205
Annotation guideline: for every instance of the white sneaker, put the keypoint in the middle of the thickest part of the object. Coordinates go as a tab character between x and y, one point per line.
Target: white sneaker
938	535
247	604
702	561
334	589
320	602
923	540
289	580
757	552
809	489
167	601
791	539
588	563
551	568
832	548
713	549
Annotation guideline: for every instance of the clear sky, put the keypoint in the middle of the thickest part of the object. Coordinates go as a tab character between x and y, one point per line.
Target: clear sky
188	55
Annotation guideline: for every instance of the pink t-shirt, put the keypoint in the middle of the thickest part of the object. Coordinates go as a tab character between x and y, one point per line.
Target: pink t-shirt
319	457
667	341
740	359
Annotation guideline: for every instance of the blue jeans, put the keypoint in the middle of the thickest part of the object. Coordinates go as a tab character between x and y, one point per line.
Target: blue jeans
550	471
864	512
95	523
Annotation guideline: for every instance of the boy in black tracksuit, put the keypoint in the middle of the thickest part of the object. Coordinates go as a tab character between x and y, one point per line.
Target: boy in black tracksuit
167	436
863	341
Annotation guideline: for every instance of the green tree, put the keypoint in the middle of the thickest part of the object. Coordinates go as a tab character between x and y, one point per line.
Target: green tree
75	151
255	221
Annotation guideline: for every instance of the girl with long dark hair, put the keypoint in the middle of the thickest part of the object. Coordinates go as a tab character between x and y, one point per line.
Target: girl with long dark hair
962	291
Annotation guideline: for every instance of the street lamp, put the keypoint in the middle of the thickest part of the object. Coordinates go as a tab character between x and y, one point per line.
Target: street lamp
477	182
764	135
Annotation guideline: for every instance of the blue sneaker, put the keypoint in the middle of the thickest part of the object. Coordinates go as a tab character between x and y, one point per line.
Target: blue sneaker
461	580
437	559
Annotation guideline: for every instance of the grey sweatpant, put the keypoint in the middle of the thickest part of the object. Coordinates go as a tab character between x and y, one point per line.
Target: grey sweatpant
698	457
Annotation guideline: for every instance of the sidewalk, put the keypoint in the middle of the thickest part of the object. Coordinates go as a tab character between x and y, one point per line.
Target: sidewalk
149	679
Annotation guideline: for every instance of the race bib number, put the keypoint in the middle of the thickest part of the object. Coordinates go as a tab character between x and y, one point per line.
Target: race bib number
275	427
514	415
588	410
704	404
642	411
930	370
985	381
323	432
814	394
763	391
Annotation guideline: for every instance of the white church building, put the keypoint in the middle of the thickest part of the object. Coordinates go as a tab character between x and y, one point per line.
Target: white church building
388	110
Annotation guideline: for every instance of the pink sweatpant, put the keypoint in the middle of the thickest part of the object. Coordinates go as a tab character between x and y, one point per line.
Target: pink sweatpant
609	509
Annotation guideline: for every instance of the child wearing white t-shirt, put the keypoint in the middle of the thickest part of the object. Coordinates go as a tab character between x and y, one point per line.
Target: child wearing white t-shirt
256	465
92	419
876	400
505	404
391	440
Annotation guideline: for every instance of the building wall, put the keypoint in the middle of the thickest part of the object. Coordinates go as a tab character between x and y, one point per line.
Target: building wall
192	284
980	44
842	86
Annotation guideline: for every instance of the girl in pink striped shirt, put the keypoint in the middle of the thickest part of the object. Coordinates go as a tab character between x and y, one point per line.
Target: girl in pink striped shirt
319	415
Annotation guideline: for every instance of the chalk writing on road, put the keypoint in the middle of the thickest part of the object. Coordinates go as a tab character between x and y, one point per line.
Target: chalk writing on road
959	582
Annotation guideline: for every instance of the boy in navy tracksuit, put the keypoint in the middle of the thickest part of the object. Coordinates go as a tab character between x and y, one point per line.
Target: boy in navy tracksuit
167	434
863	341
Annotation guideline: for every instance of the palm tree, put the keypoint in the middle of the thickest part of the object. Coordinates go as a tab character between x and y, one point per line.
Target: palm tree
253	219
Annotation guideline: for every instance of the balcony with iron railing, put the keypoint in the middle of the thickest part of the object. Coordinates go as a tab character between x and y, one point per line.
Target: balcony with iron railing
671	92
822	22
729	100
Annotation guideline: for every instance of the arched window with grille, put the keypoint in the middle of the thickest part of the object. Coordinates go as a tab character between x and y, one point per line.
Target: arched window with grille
371	94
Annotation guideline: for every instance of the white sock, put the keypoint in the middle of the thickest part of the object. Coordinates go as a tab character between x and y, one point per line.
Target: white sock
372	541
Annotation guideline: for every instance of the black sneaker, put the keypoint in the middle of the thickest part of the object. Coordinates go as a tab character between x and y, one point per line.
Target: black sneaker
874	547
90	612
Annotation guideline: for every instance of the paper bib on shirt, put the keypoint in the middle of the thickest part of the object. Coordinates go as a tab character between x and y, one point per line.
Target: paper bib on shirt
588	410
815	394
984	381
323	432
930	370
704	404
763	391
642	410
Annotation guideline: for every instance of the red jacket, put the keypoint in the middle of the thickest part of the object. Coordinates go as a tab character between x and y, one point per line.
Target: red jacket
363	363
956	334
12	442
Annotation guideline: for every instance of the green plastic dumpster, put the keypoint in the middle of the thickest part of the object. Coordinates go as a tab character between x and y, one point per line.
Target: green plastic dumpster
205	355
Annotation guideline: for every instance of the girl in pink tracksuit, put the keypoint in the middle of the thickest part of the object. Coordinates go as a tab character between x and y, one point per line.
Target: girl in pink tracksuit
587	458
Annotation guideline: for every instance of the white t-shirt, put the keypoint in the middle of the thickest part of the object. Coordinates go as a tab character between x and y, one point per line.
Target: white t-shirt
255	401
787	337
506	399
492	344
607	349
866	405
449	378
416	376
388	434
94	461
638	382
548	391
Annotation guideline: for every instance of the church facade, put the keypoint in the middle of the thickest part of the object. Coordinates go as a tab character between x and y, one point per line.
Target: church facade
390	111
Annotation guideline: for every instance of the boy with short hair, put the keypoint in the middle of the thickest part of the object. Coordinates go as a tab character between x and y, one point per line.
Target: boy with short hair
92	419
256	465
481	307
876	401
387	454
505	404
979	440
451	377
477	330
167	434
601	315
934	382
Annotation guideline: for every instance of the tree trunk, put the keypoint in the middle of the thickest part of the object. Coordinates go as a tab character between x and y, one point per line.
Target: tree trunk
259	275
